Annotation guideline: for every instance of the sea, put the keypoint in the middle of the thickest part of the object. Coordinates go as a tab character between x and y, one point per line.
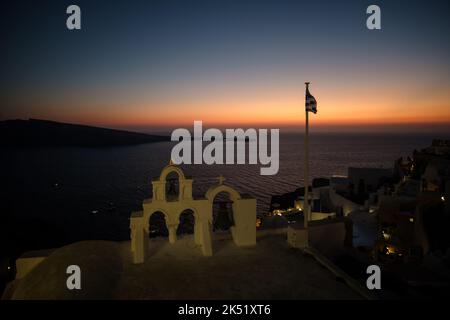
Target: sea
54	196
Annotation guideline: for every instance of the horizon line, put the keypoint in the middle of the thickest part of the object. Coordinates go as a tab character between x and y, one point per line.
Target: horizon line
442	127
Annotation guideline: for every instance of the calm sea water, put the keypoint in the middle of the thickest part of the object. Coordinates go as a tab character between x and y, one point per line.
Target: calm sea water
52	192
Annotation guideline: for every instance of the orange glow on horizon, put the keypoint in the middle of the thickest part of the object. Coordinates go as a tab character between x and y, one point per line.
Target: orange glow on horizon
262	105
269	113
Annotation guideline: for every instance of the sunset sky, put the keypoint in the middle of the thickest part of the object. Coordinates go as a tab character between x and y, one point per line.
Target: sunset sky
153	65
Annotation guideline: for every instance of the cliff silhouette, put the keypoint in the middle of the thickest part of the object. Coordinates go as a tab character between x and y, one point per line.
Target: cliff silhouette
44	133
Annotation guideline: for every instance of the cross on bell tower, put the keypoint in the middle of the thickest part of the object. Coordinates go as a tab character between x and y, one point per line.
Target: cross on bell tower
221	179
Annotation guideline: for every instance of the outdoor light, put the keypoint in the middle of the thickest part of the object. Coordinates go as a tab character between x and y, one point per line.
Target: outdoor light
391	250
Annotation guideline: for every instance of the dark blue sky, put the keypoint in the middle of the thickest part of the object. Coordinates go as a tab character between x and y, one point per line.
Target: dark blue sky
149	55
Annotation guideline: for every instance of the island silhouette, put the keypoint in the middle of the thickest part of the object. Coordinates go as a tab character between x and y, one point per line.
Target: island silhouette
45	133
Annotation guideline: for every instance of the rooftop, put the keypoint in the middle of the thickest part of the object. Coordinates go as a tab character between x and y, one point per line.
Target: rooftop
271	270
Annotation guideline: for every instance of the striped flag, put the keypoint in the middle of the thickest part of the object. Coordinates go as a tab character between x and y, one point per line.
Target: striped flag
311	103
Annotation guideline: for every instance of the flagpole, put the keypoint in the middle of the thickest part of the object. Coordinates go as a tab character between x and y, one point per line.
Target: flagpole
306	169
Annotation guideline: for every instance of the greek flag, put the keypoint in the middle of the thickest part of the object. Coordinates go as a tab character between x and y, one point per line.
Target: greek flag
311	103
